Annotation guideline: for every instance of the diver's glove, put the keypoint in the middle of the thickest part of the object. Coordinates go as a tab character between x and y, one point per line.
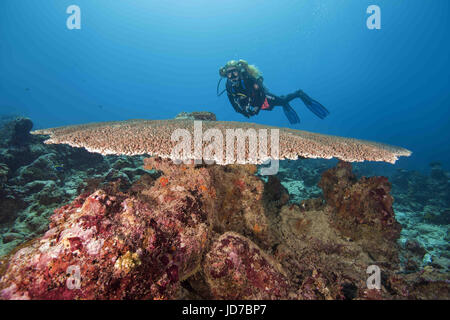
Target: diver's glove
251	110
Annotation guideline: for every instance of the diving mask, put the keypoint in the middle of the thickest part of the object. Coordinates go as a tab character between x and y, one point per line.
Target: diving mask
233	74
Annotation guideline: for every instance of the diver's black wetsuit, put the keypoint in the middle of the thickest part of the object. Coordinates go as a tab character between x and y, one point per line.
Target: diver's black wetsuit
248	96
248	100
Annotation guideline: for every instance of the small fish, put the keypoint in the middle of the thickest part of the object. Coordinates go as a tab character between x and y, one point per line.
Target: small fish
59	167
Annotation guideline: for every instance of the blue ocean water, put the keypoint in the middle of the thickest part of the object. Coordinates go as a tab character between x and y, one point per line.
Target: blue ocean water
154	59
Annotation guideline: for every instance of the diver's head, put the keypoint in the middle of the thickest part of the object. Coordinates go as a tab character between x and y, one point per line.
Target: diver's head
242	68
233	70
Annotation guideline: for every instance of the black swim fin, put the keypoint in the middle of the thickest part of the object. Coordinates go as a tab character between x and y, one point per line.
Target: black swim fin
313	106
291	114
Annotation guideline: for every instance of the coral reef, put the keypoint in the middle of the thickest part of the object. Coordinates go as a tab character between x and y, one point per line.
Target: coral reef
166	231
422	206
417	192
36	178
301	177
176	235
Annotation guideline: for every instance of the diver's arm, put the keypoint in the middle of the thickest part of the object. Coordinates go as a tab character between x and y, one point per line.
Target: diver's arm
258	94
236	107
259	86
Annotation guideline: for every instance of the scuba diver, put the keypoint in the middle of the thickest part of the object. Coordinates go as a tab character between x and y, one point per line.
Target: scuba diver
248	95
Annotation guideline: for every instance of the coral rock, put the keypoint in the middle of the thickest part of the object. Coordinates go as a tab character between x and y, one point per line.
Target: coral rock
4	170
16	132
197	115
366	202
122	248
243	204
362	209
236	268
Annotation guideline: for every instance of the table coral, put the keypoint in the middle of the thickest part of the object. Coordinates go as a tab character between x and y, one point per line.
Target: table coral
154	137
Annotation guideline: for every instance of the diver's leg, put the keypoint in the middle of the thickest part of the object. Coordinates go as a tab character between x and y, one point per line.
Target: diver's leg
290	113
291	96
314	106
275	100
